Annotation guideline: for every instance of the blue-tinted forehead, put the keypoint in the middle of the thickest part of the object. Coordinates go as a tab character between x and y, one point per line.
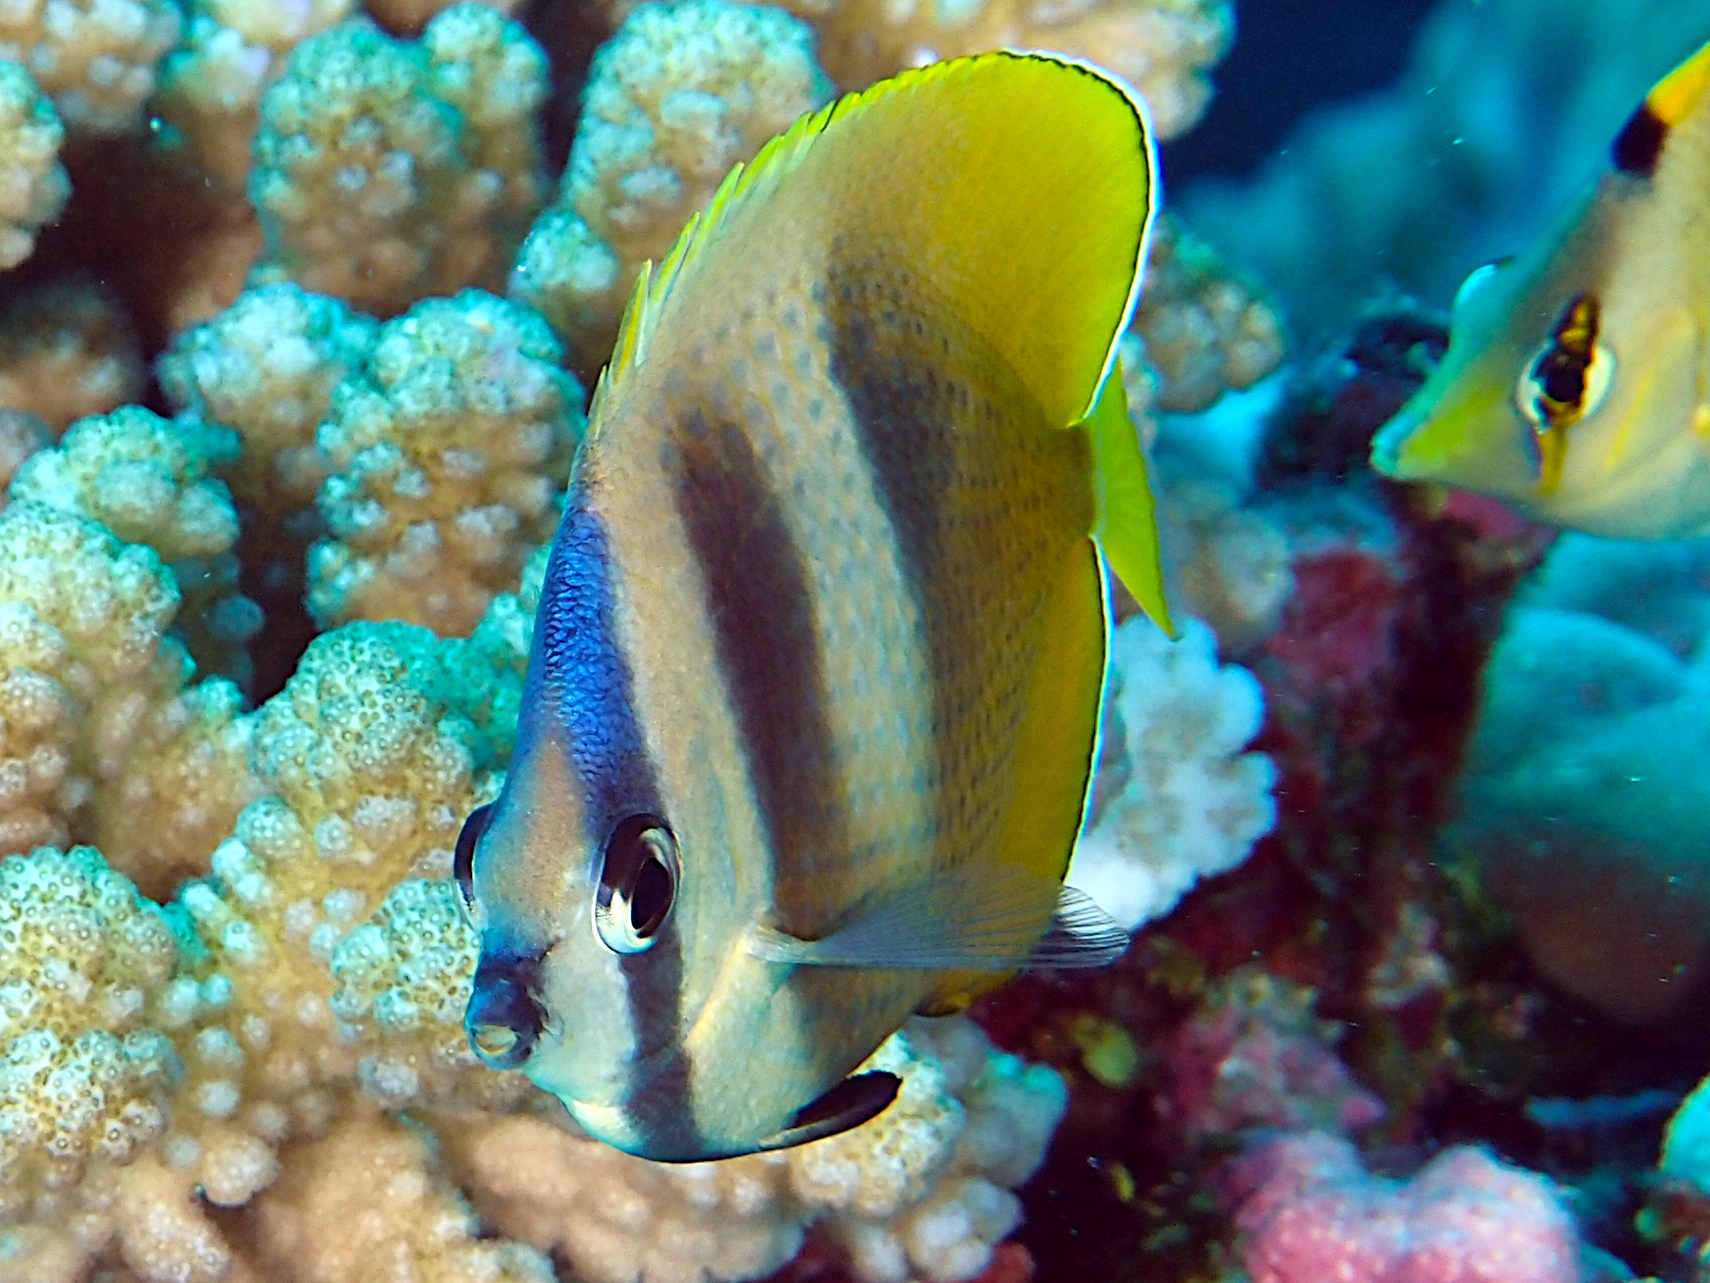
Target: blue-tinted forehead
578	666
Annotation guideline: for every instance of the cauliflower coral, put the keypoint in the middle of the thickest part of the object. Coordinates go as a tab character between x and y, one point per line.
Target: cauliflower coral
101	737
82	1073
446	453
1176	798
66	350
211	84
1162	48
680	94
96	61
33	184
147	480
386	170
922	1191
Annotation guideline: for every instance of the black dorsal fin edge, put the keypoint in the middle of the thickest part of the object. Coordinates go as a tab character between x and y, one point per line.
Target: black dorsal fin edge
1639	145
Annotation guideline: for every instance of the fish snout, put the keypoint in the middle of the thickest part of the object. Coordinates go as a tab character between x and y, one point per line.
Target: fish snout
503	1019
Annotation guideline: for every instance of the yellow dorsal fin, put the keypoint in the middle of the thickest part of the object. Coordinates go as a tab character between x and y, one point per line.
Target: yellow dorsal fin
1017	187
653	287
1126	526
1681	92
626	352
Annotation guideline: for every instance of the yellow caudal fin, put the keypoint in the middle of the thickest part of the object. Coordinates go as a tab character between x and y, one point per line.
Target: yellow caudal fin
1015	188
1059	734
1127	527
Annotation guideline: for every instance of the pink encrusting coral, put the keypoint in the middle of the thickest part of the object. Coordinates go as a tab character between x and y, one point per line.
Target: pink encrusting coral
1256	1057
1311	1213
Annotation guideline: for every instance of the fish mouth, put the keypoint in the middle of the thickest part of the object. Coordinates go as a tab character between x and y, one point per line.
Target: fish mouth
503	1020
1390	441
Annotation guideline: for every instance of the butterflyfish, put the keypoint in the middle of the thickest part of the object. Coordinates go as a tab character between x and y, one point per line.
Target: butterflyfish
814	690
1577	380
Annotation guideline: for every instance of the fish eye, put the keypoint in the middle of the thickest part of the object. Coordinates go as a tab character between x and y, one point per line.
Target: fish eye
463	861
1570	375
638	884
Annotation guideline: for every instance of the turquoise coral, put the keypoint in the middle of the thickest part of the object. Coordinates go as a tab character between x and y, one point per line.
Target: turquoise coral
1581	801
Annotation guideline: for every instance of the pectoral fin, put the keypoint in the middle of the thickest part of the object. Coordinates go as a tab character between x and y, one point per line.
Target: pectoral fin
1082	935
976	919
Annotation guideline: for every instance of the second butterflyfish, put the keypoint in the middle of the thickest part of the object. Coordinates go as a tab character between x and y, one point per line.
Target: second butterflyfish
814	692
1577	381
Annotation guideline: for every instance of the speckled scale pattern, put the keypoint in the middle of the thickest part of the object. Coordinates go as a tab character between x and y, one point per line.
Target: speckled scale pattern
933	507
899	475
987	499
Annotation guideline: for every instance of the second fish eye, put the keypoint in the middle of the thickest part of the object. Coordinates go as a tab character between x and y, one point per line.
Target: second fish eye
638	884
1571	374
463	860
1557	390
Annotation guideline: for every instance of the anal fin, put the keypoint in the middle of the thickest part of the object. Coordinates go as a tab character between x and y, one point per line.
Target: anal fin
1082	936
848	1104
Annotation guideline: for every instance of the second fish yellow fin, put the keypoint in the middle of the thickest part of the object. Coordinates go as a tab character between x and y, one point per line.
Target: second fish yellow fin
1127	525
1675	99
1680	93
